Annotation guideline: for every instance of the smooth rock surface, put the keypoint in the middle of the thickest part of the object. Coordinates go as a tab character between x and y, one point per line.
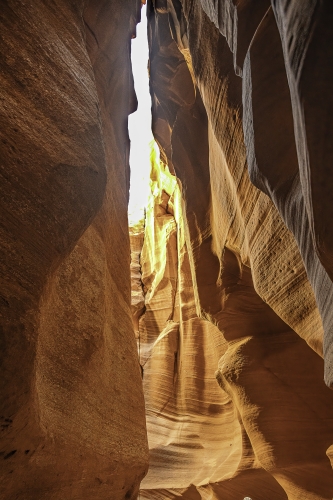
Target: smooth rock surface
72	410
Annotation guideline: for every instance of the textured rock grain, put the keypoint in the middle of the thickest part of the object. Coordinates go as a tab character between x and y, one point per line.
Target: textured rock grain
252	269
72	411
287	121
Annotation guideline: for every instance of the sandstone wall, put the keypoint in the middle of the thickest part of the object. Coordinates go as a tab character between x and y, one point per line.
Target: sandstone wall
278	47
232	308
72	411
256	291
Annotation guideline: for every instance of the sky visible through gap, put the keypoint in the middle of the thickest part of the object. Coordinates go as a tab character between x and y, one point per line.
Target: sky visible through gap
139	126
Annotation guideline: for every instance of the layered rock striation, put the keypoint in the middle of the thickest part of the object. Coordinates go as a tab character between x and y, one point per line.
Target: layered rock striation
236	258
72	410
277	47
231	270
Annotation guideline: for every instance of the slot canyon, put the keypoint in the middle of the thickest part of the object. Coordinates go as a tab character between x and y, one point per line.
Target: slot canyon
189	356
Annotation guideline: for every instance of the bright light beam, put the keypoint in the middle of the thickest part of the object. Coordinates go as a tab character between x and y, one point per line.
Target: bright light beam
139	126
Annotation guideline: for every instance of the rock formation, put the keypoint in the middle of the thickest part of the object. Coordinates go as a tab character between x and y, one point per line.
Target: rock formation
231	267
72	414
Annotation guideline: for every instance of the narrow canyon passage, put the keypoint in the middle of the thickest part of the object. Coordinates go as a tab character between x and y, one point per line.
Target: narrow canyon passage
171	339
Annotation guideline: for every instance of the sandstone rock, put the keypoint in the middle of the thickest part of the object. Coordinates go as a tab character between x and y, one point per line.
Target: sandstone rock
137	295
72	411
232	276
244	265
281	58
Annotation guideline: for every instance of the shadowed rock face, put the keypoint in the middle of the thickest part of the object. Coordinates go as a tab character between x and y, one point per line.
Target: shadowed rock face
233	270
72	414
278	48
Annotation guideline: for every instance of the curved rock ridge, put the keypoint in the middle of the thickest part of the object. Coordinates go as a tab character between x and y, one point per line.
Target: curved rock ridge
179	352
245	260
289	149
72	409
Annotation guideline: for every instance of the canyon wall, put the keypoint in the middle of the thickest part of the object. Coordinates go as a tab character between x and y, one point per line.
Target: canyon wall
231	272
237	295
72	409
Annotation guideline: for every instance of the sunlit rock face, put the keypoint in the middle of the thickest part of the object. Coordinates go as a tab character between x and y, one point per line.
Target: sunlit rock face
237	301
137	295
72	410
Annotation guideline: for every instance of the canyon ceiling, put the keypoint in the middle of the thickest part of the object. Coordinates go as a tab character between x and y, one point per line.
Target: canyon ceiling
190	356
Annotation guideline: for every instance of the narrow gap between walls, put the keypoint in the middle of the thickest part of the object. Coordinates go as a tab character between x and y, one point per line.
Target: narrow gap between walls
139	125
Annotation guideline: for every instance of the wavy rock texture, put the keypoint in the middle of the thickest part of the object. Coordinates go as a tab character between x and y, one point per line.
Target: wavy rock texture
233	291
229	266
289	148
72	410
